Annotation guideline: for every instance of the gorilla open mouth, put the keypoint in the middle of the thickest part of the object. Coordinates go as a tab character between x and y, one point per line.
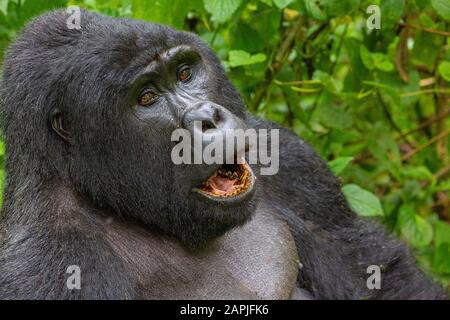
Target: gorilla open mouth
229	182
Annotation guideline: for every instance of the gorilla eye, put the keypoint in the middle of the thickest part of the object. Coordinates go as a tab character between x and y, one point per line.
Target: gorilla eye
146	98
184	74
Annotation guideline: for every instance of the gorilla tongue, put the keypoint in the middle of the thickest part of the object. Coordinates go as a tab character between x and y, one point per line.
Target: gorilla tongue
228	180
221	185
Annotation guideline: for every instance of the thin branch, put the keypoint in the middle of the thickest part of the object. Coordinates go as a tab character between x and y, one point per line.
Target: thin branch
290	114
366	155
401	55
433	31
425	124
281	55
390	120
437	176
338	50
425	91
294	83
442	172
412	153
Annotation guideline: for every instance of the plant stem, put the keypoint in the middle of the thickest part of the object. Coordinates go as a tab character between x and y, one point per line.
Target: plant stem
281	55
412	153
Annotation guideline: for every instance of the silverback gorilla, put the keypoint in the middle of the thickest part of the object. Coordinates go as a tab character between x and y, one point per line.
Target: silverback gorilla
87	117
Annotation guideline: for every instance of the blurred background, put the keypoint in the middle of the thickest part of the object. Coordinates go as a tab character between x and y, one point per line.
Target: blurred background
367	83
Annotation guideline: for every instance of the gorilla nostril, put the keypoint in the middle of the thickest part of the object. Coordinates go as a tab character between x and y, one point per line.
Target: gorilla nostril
216	116
207	125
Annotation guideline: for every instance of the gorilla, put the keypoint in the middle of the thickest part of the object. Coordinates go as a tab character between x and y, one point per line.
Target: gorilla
87	117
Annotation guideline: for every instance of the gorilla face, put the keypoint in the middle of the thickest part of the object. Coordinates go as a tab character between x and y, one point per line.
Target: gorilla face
175	88
172	92
110	96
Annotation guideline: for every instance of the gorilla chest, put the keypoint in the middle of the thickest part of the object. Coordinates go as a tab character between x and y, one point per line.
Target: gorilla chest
256	261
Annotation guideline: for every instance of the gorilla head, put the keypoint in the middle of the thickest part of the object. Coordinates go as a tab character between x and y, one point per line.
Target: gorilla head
94	109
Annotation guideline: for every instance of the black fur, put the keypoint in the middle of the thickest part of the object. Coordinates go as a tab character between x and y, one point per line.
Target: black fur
117	165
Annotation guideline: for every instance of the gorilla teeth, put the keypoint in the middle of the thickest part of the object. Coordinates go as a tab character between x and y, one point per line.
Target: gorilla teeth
228	174
234	172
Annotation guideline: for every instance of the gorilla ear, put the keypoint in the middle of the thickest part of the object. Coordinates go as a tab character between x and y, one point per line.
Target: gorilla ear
56	120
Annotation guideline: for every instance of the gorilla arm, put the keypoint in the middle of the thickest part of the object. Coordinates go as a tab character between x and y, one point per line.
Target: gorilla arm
35	255
336	246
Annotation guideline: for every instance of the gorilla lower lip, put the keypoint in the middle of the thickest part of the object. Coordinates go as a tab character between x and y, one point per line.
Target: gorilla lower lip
229	181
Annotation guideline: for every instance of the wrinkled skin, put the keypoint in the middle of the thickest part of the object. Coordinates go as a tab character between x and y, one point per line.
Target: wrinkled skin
90	179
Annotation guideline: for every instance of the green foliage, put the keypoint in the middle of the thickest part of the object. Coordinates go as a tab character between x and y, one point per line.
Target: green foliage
444	70
442	7
338	165
373	103
363	202
417	230
222	10
240	58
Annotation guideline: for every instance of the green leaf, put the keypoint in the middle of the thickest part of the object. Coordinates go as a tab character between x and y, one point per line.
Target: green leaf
324	9
442	233
420	232
282	3
366	57
325	79
444	70
363	202
268	2
359	73
172	12
384	148
443	186
442	7
246	38
239	58
221	10
4	6
339	164
414	228
333	115
374	60
316	9
391	12
381	62
441	259
337	8
418	173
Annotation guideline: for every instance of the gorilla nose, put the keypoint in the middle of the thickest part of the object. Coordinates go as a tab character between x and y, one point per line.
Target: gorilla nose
211	121
208	115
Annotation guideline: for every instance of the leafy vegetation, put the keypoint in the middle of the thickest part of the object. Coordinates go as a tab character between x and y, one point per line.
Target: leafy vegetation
374	103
